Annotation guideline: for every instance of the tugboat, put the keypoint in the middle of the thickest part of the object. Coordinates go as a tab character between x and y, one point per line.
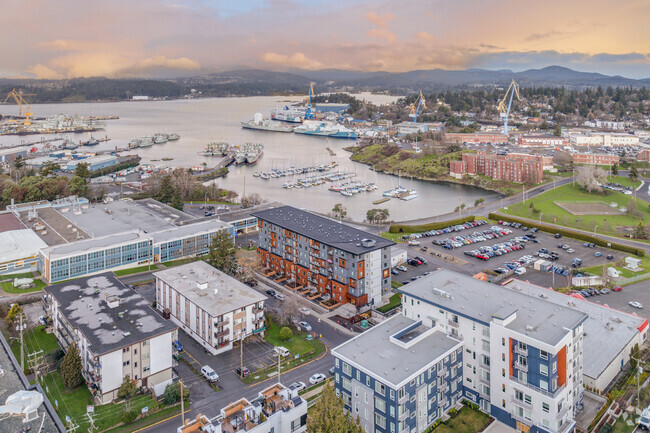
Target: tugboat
92	141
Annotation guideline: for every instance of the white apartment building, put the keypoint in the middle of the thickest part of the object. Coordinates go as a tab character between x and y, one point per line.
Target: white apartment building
523	355
276	409
610	140
116	332
212	307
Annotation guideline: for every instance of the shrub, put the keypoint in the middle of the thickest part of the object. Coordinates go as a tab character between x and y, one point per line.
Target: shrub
405	228
129	417
285	333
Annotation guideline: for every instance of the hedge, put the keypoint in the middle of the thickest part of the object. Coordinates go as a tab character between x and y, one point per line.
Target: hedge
405	228
570	233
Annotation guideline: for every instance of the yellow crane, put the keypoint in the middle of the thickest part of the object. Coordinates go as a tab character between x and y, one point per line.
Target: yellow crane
415	107
23	105
513	89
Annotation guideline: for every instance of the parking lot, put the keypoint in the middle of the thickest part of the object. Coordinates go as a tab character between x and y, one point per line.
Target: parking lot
508	235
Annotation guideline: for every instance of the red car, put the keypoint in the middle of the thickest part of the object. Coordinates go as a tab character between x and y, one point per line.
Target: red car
617	289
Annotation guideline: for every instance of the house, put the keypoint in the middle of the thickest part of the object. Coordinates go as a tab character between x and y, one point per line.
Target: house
117	334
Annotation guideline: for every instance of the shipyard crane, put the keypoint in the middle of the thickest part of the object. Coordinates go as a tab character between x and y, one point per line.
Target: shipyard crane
23	106
513	89
309	115
416	106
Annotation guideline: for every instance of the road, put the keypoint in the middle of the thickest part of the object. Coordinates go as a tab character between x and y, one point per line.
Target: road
257	354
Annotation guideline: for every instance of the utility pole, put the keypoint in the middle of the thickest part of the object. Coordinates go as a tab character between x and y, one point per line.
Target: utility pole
22	342
92	422
35	362
182	404
241	358
278	366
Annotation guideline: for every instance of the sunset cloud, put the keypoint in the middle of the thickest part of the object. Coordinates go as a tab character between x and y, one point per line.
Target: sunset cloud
297	60
381	30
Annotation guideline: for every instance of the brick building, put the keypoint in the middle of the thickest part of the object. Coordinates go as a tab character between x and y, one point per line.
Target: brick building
348	264
593	158
475	138
514	167
539	140
644	155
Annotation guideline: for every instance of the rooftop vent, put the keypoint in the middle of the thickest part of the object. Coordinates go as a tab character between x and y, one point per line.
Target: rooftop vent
529	328
112	301
367	243
202	285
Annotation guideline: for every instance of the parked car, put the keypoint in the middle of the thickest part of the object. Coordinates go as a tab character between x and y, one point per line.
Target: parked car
270	292
209	373
558	236
317	378
401	268
281	350
610	257
280	297
304	310
331	371
617	288
394	271
635	304
414	243
238	370
298	386
598	254
304	325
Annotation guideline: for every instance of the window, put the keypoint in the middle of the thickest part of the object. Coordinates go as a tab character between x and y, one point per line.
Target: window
543	355
380	404
380	420
346	384
528	399
543	384
519	395
453	356
392	394
543	369
545	407
347	369
554	366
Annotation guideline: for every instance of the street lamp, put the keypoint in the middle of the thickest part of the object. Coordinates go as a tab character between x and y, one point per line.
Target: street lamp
595	228
540	217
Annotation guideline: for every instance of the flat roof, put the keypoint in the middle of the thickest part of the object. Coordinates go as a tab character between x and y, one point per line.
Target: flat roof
378	353
222	293
186	230
173	215
606	331
322	229
13	380
242	214
84	303
8	221
87	245
18	244
537	318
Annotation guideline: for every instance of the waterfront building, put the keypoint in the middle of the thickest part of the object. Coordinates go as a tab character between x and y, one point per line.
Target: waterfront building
399	376
94	162
117	334
210	306
341	262
513	167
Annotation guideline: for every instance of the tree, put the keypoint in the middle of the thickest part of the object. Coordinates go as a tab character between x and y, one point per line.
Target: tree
13	314
339	211
634	173
285	333
251	200
165	189
19	162
173	393
479	201
287	311
640	231
222	252
371	215
591	178
71	367
77	186
177	201
615	169
329	415
82	170
127	391
50	167
382	215
558	130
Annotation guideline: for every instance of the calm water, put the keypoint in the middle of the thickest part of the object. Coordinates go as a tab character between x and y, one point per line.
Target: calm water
217	119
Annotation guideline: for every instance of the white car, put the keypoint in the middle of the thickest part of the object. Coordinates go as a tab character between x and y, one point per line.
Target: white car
298	386
280	297
209	373
317	378
414	243
635	304
520	271
304	310
306	326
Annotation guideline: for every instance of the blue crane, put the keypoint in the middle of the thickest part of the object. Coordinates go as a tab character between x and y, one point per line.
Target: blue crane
505	111
416	106
309	115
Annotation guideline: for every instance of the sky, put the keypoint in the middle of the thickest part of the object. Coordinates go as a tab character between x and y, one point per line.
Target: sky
170	38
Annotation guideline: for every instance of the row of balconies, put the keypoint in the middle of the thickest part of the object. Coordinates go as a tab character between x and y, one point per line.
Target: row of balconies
532	387
521	351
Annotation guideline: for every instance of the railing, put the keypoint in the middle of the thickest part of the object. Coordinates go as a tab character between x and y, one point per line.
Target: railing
520	366
442	403
566	426
223	322
259	320
257	310
537	389
521	350
442	372
521	402
564	410
403	399
453	323
403	415
222	333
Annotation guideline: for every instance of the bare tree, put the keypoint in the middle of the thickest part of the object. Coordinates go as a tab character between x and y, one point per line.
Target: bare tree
562	157
591	178
288	310
251	200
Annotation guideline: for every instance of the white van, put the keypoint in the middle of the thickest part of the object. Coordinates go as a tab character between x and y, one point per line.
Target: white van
283	351
520	271
209	373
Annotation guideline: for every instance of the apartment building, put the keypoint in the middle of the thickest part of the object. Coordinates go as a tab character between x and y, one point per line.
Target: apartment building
595	158
117	334
277	409
541	140
461	138
523	355
513	167
399	376
603	140
210	306
344	263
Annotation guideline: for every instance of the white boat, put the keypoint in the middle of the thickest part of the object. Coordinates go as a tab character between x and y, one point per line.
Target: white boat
173	136
409	195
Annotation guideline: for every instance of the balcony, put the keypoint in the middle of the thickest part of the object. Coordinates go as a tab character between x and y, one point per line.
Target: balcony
443	403
223	333
521	402
258	320
403	399
521	351
566	426
539	390
520	366
442	372
452	323
403	415
221	323
257	310
443	388
564	410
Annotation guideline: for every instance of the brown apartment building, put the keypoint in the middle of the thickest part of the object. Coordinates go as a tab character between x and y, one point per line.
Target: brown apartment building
595	158
514	167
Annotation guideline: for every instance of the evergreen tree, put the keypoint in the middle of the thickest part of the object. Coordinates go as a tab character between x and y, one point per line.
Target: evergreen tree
78	186
222	252
12	315
330	416
82	170
633	172
615	169
165	189
127	391
71	367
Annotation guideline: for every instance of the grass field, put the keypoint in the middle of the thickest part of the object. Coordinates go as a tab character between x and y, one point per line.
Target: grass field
543	207
179	262
297	345
393	302
136	270
624	181
36	339
467	420
8	286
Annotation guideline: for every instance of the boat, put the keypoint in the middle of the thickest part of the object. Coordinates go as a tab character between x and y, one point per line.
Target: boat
324	129
249	153
69	145
260	124
92	141
346	193
136	142
408	195
173	136
160	138
286	114
265	176
146	142
216	149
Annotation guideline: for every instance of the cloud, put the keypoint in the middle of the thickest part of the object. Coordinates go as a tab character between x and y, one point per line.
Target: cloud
43	72
147	66
534	37
297	60
424	37
381	26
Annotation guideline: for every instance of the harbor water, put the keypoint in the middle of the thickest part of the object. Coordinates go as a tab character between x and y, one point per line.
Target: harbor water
218	119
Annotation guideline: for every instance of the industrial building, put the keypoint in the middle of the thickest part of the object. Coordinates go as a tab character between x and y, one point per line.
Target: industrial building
94	162
604	140
399	376
212	307
522	356
19	251
405	128
277	409
343	263
541	140
117	334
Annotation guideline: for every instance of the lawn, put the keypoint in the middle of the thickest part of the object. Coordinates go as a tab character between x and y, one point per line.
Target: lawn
598	269
393	302
624	181
179	262
467	420
395	237
8	286
136	270
620	426
297	345
543	206
36	339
